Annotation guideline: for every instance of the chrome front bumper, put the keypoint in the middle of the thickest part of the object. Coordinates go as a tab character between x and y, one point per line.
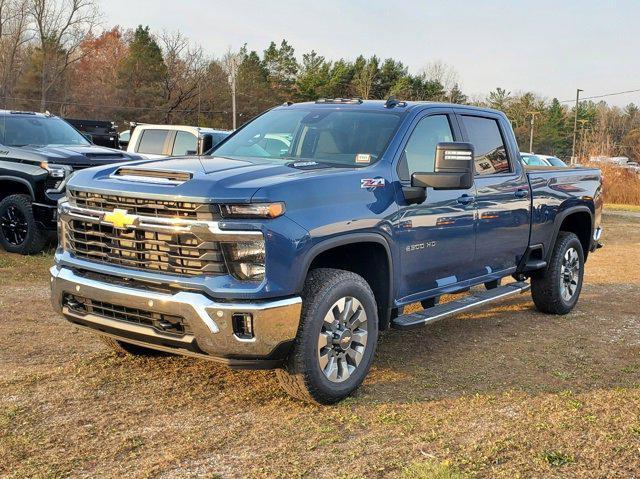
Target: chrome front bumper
211	334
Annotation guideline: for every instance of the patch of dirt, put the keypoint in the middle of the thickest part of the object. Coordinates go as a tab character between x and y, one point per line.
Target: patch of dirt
506	392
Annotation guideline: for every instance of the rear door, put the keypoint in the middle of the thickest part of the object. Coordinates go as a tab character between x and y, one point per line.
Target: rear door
502	194
436	237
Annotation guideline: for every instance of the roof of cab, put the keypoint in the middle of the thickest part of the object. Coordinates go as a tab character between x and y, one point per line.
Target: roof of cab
25	113
383	105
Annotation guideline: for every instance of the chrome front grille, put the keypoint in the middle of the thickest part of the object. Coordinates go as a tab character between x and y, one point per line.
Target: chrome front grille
173	252
144	207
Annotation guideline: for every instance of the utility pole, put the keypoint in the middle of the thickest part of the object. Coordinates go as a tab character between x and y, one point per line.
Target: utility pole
533	120
575	127
582	122
230	63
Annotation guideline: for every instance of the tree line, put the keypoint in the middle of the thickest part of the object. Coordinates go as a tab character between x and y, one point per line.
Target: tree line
55	56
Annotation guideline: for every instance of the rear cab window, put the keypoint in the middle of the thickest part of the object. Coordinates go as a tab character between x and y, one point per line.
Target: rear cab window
184	144
152	141
484	134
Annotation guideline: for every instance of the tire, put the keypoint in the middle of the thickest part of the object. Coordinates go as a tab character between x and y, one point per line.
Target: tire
122	348
326	374
557	289
492	284
19	230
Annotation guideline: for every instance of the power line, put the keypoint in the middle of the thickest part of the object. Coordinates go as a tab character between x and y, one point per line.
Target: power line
114	107
601	96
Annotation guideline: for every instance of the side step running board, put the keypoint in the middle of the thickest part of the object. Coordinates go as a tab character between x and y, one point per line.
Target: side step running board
475	300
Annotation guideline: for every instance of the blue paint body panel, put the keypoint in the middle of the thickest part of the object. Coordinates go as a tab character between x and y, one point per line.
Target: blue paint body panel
435	247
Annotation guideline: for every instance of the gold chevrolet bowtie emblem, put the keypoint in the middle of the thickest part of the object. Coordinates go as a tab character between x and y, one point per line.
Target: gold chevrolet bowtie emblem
120	218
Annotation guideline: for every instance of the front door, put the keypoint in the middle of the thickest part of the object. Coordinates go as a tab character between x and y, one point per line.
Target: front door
436	237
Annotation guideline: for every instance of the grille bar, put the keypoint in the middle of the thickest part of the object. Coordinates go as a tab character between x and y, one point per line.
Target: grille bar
163	322
144	207
177	253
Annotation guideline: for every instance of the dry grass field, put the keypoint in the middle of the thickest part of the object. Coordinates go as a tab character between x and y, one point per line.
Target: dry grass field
506	392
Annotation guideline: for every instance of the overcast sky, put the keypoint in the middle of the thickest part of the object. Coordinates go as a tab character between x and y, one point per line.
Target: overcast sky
550	47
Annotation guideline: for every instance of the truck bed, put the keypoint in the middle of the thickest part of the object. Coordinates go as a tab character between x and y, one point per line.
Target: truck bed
556	189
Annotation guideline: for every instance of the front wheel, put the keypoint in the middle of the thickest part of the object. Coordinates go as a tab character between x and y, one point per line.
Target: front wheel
19	230
557	289
336	339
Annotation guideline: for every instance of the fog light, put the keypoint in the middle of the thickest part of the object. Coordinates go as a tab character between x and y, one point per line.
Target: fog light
242	325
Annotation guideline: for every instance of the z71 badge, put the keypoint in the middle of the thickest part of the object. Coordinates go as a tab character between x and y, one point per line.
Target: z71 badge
372	183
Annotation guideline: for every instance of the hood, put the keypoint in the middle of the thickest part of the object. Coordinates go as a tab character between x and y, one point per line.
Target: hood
77	156
212	179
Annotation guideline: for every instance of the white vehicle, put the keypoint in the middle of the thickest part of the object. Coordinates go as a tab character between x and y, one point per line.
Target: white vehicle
553	160
160	141
531	159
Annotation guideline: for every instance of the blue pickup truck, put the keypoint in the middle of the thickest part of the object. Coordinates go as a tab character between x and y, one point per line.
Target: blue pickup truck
307	231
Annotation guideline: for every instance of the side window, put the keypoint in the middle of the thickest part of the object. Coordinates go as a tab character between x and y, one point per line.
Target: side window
420	151
184	144
152	142
490	151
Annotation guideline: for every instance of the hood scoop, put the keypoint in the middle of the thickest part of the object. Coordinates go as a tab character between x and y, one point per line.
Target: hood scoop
161	177
103	156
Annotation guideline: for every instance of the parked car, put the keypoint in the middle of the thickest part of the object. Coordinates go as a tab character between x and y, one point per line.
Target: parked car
38	154
295	258
123	139
530	159
553	160
159	141
101	133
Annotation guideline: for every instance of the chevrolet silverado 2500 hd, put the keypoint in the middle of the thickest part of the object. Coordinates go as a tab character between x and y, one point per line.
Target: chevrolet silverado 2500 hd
308	230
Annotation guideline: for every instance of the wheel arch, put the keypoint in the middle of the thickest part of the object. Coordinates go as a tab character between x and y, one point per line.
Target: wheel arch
366	254
578	220
12	185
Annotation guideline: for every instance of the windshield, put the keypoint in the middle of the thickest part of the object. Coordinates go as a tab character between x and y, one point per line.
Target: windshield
38	130
340	137
556	161
533	160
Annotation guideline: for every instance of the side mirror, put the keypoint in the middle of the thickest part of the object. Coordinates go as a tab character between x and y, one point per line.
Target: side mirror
88	137
454	168
205	143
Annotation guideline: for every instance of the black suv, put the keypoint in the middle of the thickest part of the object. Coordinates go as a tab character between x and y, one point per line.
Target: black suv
38	154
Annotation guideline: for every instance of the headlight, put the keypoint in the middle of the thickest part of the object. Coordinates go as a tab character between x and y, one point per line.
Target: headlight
245	260
56	171
254	210
62	226
58	175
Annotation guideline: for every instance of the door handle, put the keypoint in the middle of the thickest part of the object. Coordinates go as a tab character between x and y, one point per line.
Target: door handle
521	193
466	199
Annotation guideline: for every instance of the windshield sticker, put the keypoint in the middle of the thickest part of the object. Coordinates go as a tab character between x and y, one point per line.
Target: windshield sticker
363	158
367	183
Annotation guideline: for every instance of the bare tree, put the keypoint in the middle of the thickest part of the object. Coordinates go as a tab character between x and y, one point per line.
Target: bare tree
443	73
230	64
60	27
186	68
14	35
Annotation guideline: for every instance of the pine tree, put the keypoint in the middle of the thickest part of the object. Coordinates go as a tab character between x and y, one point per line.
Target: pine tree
141	73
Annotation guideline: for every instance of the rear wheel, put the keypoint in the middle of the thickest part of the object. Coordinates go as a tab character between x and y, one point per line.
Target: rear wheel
19	230
557	289
122	348
336	339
